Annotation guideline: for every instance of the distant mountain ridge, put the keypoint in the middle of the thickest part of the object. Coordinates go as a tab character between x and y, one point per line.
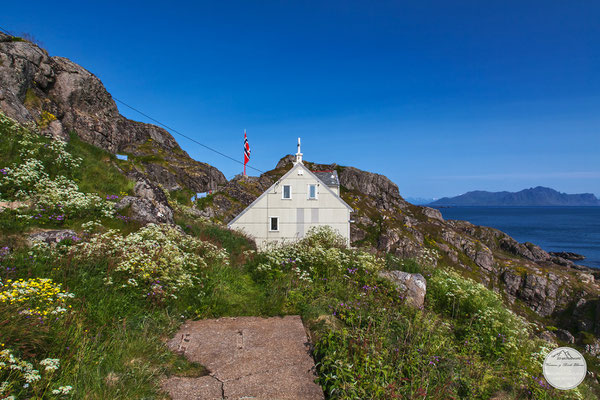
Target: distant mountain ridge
538	196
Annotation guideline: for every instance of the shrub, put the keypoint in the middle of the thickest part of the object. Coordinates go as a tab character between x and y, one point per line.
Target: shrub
487	325
34	177
324	236
157	260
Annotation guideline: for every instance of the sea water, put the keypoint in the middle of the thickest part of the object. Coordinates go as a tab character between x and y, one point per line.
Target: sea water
574	229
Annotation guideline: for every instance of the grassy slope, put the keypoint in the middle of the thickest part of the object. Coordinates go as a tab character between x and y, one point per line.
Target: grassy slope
369	343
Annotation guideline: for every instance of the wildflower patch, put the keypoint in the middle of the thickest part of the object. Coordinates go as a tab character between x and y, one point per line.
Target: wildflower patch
19	378
37	297
157	260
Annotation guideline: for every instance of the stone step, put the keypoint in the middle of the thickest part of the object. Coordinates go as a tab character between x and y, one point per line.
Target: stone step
248	358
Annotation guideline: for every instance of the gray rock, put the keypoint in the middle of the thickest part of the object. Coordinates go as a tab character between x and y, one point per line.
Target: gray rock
383	190
52	236
146	211
567	255
593	348
548	336
539	292
565	336
432	213
538	254
147	190
562	261
413	286
479	253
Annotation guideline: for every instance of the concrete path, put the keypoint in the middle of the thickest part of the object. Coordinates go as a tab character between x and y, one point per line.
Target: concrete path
248	358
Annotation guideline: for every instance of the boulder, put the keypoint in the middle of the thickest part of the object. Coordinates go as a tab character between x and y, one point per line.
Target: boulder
147	190
539	255
585	277
412	286
52	237
565	336
146	211
150	205
548	336
432	213
593	348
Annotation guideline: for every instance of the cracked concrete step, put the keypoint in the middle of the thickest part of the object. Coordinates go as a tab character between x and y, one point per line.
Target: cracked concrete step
204	387
248	358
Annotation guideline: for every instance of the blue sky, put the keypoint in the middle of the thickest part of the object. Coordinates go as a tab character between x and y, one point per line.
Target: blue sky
441	97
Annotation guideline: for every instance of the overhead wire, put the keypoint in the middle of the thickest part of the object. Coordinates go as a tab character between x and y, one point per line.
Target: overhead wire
185	136
169	128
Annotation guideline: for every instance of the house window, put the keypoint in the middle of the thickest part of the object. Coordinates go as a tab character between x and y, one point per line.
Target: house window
274	223
287	192
312	191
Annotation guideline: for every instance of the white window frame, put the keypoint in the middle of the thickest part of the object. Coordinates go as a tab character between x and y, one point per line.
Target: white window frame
283	192
316	191
271	224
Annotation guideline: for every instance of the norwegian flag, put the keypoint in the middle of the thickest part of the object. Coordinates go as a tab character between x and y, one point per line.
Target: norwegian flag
246	151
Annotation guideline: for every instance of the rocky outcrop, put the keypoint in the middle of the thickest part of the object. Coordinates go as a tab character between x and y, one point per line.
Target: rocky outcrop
479	253
412	286
53	237
593	348
150	205
232	198
379	187
539	292
59	96
565	336
433	213
567	255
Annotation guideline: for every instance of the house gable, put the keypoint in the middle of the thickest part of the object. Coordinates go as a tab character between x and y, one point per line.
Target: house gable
280	181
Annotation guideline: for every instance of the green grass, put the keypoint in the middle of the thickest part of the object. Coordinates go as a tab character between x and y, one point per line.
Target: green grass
97	172
183	196
464	344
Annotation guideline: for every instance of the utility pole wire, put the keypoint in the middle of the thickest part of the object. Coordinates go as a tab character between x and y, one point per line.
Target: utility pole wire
185	136
169	128
5	31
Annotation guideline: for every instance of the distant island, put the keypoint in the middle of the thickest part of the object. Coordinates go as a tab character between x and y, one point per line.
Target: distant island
538	196
419	201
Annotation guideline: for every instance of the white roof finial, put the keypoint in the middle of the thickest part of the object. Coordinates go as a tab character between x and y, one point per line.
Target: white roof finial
298	154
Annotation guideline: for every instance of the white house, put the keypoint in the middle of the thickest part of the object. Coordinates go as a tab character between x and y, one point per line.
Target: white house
298	201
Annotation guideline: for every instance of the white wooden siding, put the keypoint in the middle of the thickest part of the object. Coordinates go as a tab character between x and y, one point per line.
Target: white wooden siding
296	215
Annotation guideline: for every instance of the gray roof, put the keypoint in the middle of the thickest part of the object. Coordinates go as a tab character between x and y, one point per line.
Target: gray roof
330	178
